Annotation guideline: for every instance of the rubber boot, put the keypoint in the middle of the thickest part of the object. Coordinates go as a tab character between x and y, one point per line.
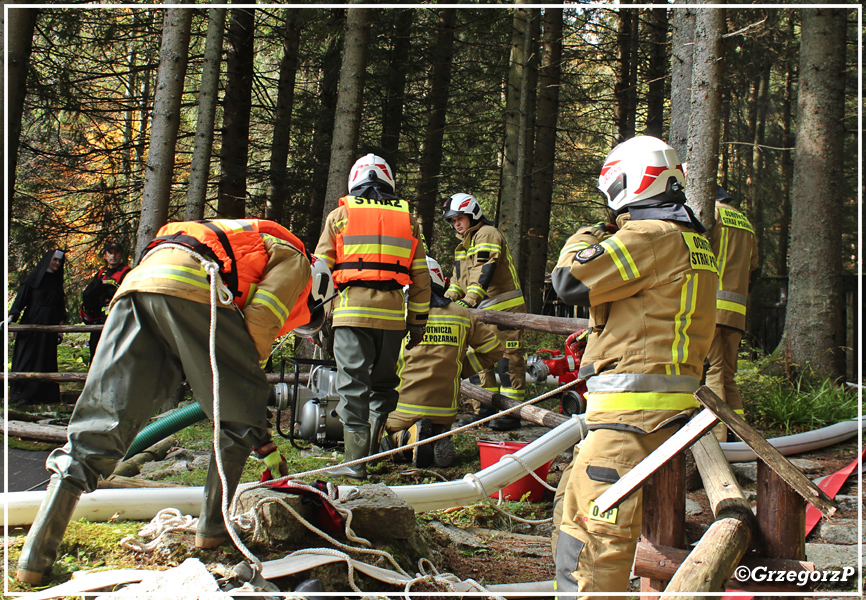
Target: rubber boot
357	445
211	530
483	412
377	430
422	456
443	450
43	539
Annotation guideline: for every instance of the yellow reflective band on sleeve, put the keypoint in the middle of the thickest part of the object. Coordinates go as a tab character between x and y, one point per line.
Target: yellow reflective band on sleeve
488	347
328	260
418	307
506	304
476	289
251	294
194	277
682	322
459	255
419	265
272	302
740	309
607	401
576	247
621	258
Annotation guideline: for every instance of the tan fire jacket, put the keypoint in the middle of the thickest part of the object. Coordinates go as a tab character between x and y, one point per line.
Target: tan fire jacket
175	273
736	249
651	291
430	373
484	272
358	306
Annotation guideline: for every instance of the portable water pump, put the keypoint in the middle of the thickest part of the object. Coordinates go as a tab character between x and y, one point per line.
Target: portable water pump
313	407
564	366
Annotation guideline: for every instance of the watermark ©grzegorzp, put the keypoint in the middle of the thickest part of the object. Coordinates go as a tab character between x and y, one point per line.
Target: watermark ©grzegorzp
763	574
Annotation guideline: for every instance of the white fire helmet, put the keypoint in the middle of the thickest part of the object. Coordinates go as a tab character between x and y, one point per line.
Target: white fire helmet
462	204
436	275
638	169
370	168
321	297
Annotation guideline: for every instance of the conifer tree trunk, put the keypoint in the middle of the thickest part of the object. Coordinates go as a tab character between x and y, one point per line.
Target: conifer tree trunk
656	72
703	143
207	104
277	174
395	95
173	56
814	333
234	147
431	160
545	156
22	22
347	120
682	51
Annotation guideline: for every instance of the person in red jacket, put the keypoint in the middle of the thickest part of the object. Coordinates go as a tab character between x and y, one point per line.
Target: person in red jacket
245	281
98	294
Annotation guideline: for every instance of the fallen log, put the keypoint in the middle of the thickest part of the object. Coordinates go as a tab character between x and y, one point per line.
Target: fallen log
560	325
53	328
533	414
53	434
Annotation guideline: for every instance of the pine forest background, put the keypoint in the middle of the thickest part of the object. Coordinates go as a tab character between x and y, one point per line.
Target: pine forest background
109	130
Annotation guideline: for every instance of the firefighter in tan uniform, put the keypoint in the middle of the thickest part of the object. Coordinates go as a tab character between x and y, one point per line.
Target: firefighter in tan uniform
372	244
736	249
156	334
485	277
651	290
430	375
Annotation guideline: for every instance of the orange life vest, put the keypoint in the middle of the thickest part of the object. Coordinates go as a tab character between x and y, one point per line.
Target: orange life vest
377	242
237	246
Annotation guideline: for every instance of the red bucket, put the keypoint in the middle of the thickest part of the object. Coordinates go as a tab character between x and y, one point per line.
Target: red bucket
491	451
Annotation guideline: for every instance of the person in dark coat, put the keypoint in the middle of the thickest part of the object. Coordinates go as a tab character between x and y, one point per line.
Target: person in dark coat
40	301
98	294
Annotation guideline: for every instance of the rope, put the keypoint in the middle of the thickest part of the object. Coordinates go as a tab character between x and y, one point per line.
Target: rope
165	521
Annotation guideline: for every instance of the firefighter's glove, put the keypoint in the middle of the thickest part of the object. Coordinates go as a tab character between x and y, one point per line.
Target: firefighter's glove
274	461
416	334
462	303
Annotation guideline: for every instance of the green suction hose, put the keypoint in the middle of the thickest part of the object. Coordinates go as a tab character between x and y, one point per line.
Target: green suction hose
164	427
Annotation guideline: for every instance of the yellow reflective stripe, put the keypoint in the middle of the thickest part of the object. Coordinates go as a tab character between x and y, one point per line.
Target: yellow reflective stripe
477	289
576	247
722	258
621	258
488	347
328	260
456	288
420	409
360	203
682	321
419	264
739	411
195	277
740	309
495	390
506	304
603	401
473	360
419	307
449	320
476	248
272	302
512	393
251	293
459	255
389	250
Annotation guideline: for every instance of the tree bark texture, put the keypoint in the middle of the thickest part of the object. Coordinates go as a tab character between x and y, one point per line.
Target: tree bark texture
813	328
22	22
324	129
625	89
174	53
234	149
204	125
347	120
703	143
277	174
682	52
656	73
395	93
431	159
541	190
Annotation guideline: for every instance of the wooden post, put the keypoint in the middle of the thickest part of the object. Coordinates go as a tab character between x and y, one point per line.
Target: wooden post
664	512
781	514
533	414
559	325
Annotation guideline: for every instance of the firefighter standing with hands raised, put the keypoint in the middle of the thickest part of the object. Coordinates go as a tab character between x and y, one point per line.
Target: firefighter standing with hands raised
651	289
